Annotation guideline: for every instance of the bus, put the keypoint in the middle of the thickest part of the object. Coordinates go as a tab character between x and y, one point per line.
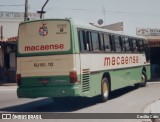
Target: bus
62	58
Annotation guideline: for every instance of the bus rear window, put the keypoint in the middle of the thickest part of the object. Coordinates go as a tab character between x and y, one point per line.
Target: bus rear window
44	36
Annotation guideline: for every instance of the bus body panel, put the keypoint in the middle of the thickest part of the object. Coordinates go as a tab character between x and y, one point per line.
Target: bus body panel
49	81
124	69
45	65
37	37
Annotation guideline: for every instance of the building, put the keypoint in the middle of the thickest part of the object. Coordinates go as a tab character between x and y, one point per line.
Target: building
115	26
153	37
8	51
9	23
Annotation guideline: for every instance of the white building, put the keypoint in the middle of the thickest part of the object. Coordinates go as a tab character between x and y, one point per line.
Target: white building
10	22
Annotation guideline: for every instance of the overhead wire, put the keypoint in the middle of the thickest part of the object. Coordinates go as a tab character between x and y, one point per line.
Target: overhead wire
88	10
11	5
107	11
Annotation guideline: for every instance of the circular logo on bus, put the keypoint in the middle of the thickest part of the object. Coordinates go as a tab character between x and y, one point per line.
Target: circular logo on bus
43	31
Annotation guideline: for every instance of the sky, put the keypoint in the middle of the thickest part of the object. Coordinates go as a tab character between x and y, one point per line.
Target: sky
133	13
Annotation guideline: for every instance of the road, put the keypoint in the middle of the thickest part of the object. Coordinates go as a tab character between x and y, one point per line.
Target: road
128	100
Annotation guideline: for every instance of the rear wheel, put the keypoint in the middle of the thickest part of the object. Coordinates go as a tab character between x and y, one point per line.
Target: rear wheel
143	79
105	89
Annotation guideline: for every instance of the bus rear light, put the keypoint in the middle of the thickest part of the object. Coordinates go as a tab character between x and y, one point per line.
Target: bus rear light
18	79
73	77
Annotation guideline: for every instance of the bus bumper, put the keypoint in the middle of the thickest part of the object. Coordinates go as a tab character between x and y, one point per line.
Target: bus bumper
56	91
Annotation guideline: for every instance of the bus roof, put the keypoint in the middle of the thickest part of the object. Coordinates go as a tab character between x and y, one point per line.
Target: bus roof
81	24
85	25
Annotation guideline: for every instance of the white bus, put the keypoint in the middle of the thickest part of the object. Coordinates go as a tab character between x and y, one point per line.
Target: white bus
66	58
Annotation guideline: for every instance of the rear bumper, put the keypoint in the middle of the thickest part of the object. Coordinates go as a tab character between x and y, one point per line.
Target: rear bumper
56	91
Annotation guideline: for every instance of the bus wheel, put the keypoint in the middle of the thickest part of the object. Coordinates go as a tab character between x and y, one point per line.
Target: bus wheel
143	80
104	90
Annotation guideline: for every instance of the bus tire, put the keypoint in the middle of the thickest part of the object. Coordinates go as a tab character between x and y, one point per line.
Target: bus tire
143	79
105	89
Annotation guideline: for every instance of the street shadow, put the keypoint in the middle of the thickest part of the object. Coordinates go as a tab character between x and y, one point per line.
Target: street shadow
48	105
63	105
123	91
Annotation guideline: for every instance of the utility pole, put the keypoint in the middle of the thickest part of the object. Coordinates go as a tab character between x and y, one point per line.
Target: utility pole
104	14
42	12
26	11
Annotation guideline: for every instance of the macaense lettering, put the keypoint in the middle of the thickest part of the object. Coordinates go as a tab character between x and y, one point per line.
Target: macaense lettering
44	47
111	61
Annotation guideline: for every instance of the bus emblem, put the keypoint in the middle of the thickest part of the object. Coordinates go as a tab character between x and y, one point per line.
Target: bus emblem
43	31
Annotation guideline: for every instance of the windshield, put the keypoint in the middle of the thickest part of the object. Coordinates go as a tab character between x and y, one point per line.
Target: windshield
44	36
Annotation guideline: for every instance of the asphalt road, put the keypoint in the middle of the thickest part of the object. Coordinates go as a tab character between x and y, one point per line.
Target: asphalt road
127	100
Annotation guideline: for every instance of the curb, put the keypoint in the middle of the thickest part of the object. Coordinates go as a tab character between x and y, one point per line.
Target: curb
153	107
8	84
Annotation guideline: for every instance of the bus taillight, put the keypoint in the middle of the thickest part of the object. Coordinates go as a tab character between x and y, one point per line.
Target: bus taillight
18	79
73	77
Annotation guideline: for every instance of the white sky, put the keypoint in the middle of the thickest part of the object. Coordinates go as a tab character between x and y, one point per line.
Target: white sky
134	13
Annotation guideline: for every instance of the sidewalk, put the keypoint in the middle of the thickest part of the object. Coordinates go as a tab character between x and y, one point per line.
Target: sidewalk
154	109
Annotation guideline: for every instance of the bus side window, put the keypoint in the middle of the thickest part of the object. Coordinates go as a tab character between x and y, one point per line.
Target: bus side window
134	43
112	42
82	41
95	41
140	45
107	44
101	42
131	44
126	44
121	43
117	44
88	40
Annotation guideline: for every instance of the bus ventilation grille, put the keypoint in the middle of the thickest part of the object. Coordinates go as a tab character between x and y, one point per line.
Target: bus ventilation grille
85	78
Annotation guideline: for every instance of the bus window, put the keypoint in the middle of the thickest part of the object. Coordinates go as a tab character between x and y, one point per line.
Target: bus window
89	43
140	45
117	44
121	43
131	44
134	44
101	42
107	43
95	42
112	42
126	44
82	41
